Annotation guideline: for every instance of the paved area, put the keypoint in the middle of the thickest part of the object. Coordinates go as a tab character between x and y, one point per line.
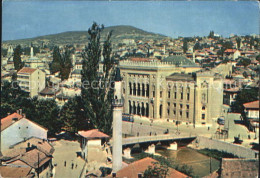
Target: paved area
67	151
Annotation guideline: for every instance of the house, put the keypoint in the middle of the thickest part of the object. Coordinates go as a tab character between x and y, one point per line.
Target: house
91	138
31	80
136	168
232	53
16	128
252	114
30	158
230	95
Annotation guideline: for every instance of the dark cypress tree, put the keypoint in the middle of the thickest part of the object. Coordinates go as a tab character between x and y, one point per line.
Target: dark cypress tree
96	90
17	58
56	63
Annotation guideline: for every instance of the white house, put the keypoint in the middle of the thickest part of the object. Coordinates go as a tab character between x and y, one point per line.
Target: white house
252	113
91	138
16	128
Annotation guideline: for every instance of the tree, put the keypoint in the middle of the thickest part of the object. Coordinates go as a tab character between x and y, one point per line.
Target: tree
61	62
72	115
246	95
185	46
258	58
96	90
157	170
244	61
238	40
211	34
17	58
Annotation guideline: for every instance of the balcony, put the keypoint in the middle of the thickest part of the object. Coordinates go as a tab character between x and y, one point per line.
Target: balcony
117	102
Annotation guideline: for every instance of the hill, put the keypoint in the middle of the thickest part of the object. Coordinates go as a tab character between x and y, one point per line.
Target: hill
81	37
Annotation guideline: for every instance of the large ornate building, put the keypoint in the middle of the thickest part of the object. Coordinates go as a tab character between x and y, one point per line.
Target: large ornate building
171	91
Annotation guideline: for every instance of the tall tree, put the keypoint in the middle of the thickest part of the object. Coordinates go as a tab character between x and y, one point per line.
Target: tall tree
185	45
17	58
55	66
238	40
96	90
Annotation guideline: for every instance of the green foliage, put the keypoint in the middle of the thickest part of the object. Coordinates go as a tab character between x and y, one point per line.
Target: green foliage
246	95
43	112
96	91
4	52
27	50
216	154
244	61
211	34
185	45
258	58
238	40
17	58
61	62
72	115
157	170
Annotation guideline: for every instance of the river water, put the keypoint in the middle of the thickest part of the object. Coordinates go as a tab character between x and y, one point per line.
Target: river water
184	155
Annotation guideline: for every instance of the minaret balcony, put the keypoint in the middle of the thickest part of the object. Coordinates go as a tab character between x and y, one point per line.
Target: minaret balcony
118	102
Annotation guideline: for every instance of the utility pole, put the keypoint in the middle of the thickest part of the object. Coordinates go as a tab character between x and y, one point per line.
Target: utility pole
210	167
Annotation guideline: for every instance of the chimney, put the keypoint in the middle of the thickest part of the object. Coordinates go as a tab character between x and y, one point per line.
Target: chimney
17	111
21	111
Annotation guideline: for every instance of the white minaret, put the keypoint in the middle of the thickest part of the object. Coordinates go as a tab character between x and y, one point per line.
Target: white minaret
31	51
117	103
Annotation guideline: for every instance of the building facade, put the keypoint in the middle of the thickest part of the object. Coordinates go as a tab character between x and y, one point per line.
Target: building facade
162	90
31	80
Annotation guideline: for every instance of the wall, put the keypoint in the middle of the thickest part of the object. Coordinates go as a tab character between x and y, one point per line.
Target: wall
17	132
242	152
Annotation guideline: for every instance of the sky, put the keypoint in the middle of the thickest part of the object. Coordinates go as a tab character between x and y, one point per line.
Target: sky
27	19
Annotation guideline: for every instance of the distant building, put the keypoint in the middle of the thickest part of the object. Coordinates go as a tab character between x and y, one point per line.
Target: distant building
232	53
31	80
34	62
16	128
252	114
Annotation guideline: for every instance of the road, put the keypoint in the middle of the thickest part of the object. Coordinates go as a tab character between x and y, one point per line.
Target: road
67	151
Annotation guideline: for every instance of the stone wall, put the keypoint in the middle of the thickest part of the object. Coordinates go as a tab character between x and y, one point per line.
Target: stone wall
241	152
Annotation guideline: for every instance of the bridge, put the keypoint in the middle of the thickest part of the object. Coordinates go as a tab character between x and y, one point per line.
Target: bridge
149	139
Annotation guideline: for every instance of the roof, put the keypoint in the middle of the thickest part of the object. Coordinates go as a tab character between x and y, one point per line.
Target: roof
49	91
94	133
181	60
230	50
252	105
8	121
142	59
31	158
12	171
236	89
26	70
180	77
239	167
132	170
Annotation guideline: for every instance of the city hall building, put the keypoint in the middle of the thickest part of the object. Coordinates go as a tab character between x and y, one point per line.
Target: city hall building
174	89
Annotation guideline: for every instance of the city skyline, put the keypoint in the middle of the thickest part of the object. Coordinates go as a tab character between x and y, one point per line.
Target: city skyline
187	19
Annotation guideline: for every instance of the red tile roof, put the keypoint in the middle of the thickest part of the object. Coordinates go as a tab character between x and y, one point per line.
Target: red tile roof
7	121
9	171
132	170
27	70
94	133
230	50
252	105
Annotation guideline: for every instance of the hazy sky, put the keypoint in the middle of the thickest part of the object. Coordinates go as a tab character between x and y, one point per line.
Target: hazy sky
25	19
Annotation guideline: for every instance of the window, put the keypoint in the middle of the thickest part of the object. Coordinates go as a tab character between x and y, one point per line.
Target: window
169	94
187	114
153	93
168	111
181	96
188	107
203	116
160	94
203	107
174	104
181	113
188	96
181	106
168	104
174	112
123	91
175	95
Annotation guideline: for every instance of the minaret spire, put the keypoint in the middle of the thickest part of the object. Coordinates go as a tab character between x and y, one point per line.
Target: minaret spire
31	50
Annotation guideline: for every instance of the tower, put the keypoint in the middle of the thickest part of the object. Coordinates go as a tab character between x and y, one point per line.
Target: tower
117	104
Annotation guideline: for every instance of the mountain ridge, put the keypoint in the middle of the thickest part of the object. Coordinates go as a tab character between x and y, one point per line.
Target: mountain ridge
119	32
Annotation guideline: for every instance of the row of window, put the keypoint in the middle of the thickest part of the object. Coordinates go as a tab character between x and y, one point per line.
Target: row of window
174	113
